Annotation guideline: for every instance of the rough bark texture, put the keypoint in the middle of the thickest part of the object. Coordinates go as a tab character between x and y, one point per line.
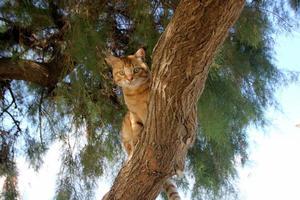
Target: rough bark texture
181	63
24	70
43	74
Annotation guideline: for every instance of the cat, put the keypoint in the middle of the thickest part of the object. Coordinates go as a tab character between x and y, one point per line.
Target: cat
134	77
132	74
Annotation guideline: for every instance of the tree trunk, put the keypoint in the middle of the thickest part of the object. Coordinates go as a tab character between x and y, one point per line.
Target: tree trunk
181	63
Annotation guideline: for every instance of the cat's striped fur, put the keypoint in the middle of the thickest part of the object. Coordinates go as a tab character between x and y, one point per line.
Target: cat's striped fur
132	74
171	190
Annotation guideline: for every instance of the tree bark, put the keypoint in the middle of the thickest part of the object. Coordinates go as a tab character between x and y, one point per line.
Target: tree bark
24	70
181	63
43	74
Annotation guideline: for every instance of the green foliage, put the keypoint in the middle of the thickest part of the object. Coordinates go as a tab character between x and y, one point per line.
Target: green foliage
238	90
9	190
295	5
83	109
252	27
35	153
143	21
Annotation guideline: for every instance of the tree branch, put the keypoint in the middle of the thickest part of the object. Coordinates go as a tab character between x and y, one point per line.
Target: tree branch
181	63
24	70
13	101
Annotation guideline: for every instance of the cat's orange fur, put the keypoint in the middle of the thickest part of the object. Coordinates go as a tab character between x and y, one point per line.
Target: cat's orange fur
133	75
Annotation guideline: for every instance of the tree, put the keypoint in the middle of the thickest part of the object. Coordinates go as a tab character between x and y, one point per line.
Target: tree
178	81
56	48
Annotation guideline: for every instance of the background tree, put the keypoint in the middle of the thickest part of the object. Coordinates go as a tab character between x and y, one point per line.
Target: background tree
56	48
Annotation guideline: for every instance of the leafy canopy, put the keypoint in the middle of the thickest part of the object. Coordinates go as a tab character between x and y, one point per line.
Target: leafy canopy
82	109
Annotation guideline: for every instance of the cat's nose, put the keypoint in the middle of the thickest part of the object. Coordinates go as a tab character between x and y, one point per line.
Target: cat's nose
130	78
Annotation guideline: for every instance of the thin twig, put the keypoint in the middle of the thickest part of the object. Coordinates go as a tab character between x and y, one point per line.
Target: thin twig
276	15
11	103
12	96
16	122
6	109
40	116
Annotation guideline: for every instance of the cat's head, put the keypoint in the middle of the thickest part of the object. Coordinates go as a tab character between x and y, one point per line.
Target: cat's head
130	71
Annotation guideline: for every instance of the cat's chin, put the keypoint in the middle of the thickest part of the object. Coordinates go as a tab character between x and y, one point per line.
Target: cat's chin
131	86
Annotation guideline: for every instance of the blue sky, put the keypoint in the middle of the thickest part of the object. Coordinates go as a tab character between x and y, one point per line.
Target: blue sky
273	171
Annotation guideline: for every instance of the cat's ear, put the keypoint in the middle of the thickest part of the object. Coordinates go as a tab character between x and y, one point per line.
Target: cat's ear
140	54
112	60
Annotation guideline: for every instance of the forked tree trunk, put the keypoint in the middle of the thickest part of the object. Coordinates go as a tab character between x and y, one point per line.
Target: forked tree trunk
181	63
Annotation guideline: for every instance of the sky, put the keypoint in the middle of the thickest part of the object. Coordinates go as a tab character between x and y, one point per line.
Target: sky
273	170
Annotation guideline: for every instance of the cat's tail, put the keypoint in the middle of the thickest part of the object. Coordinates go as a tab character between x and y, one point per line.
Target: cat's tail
171	190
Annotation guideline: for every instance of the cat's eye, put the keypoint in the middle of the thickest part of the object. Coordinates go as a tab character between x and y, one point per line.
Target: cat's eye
122	73
136	70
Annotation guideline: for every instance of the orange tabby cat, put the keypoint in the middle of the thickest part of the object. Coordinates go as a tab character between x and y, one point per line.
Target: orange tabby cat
133	76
